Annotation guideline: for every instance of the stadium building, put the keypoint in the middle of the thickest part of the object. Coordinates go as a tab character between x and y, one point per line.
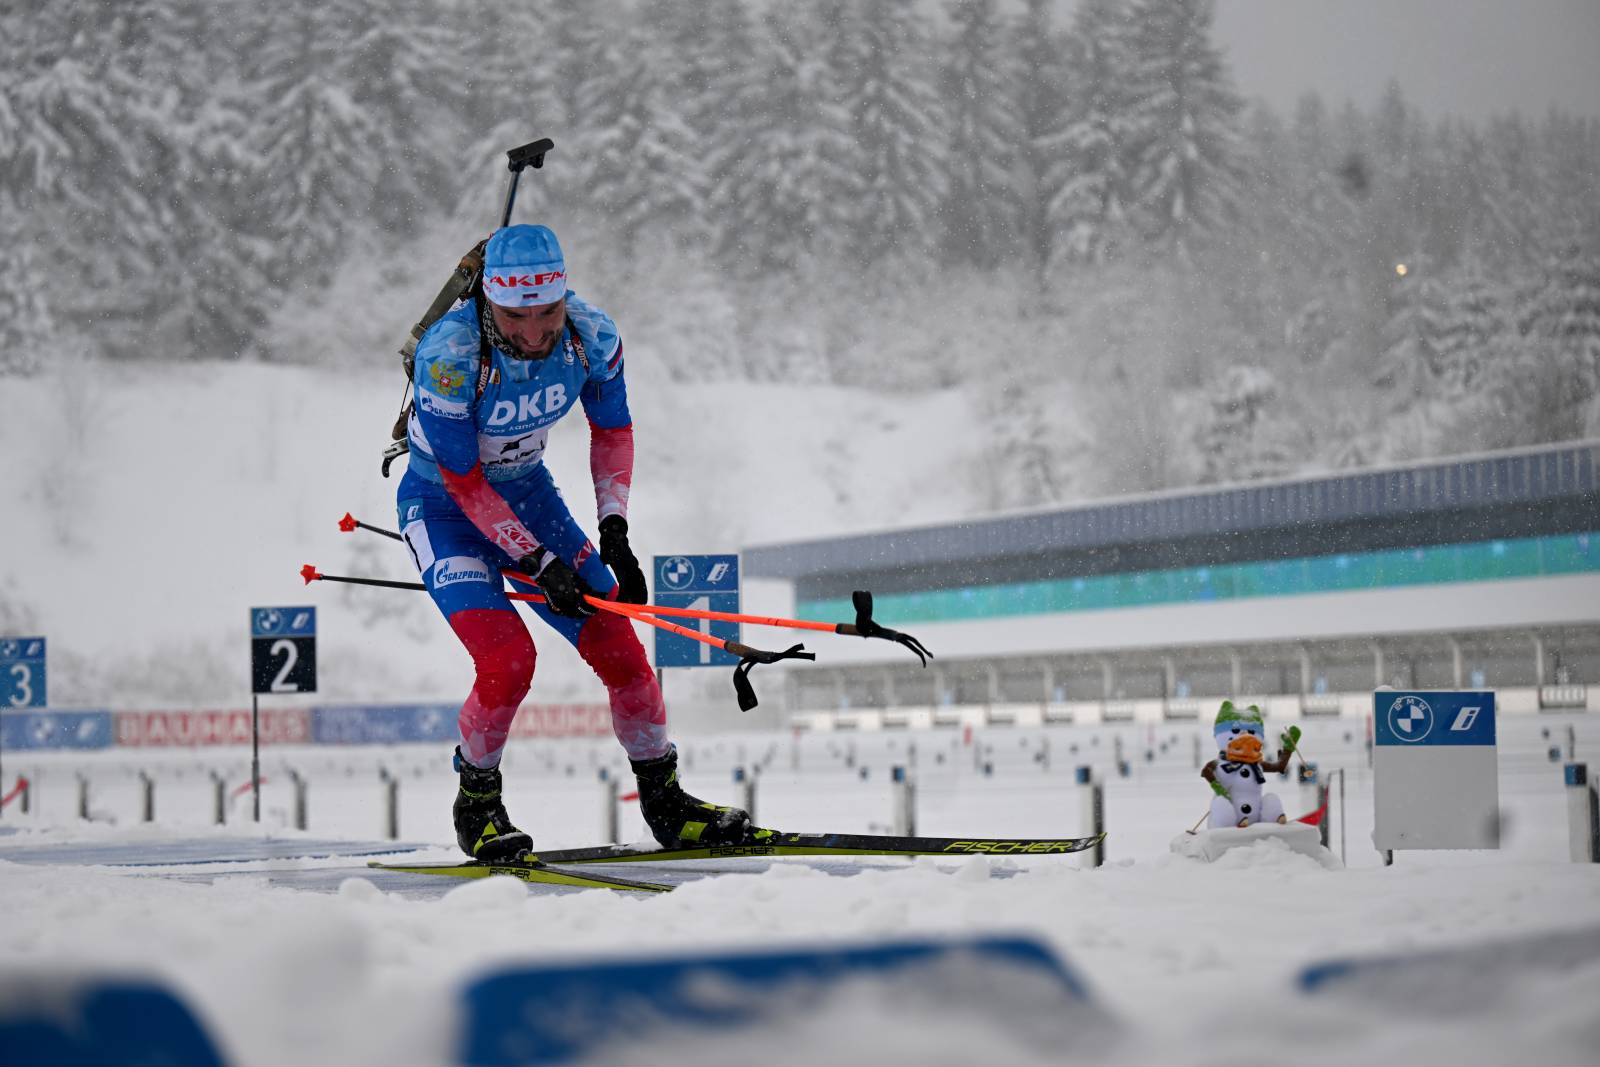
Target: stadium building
1303	595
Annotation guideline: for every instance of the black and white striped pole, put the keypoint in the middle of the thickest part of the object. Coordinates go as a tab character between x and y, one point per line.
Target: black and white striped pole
1583	814
610	815
746	781
1092	800
905	803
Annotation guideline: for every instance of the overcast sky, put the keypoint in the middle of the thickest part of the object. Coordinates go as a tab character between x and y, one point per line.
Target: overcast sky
1472	58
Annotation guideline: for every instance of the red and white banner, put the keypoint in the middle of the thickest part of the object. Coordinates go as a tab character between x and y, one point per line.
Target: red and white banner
279	726
562	720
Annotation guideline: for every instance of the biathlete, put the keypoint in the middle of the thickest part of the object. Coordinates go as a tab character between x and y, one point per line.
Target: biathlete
491	377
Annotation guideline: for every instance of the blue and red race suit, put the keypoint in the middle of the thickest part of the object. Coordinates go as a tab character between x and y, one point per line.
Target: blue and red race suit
476	498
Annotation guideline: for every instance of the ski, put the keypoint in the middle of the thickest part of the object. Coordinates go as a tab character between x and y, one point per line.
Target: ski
774	843
529	870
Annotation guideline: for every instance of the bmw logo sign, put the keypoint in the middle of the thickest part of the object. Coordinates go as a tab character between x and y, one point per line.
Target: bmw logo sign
677	572
1410	718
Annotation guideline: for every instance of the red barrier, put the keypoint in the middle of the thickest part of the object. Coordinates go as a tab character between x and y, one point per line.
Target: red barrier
16	790
1314	818
562	720
279	726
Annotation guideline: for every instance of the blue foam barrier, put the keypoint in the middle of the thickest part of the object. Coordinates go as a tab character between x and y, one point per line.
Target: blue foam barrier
559	1013
70	1020
1452	981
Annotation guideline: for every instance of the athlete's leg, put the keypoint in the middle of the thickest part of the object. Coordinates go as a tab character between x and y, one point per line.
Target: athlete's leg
606	642
504	656
612	650
462	573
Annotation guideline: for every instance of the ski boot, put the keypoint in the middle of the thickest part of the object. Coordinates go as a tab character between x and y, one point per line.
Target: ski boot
679	820
483	829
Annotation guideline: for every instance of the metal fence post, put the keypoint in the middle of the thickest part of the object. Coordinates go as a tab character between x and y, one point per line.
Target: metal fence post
1093	798
610	810
300	815
747	790
391	802
83	797
220	798
905	803
149	796
1583	814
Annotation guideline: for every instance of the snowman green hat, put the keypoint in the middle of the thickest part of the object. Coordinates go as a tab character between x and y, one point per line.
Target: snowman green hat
1232	721
1228	715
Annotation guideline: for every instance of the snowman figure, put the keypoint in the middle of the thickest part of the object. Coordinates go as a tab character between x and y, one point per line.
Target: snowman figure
1236	774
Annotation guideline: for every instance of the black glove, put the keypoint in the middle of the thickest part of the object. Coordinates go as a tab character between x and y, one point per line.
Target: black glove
616	554
562	588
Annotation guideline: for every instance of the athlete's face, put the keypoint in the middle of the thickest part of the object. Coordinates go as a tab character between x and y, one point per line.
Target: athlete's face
533	330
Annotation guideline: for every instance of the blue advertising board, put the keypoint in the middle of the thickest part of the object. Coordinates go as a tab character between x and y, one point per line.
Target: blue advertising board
22	674
1434	718
704	583
384	724
56	729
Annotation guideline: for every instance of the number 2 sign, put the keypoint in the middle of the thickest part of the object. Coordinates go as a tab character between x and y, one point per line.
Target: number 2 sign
283	650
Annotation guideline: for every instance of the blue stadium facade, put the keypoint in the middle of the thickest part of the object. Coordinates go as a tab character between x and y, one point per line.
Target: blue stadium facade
1481	570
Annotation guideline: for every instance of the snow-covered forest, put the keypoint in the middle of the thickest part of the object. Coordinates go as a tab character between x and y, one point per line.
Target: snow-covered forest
1067	209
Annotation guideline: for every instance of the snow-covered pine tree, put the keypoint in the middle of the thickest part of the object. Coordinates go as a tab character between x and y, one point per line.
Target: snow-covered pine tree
1570	152
1088	150
984	130
639	164
507	99
1414	396
1562	322
321	154
1040	89
707	64
775	162
1183	116
92	156
1477	320
406	68
1022	440
1242	434
896	168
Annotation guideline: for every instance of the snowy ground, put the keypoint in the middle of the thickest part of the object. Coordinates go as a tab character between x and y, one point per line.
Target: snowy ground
1195	961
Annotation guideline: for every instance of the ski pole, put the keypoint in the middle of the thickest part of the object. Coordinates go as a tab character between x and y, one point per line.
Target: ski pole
749	655
864	626
349	524
859	628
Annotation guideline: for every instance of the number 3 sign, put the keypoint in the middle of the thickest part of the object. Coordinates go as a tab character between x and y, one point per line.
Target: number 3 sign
283	650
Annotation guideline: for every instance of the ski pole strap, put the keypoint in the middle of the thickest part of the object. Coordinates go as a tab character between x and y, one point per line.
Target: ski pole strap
865	627
749	657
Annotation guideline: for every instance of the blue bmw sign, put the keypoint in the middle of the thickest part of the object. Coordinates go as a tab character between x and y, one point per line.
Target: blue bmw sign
705	583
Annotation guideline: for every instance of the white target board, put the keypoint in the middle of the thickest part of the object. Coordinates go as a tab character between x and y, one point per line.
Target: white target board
1435	770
